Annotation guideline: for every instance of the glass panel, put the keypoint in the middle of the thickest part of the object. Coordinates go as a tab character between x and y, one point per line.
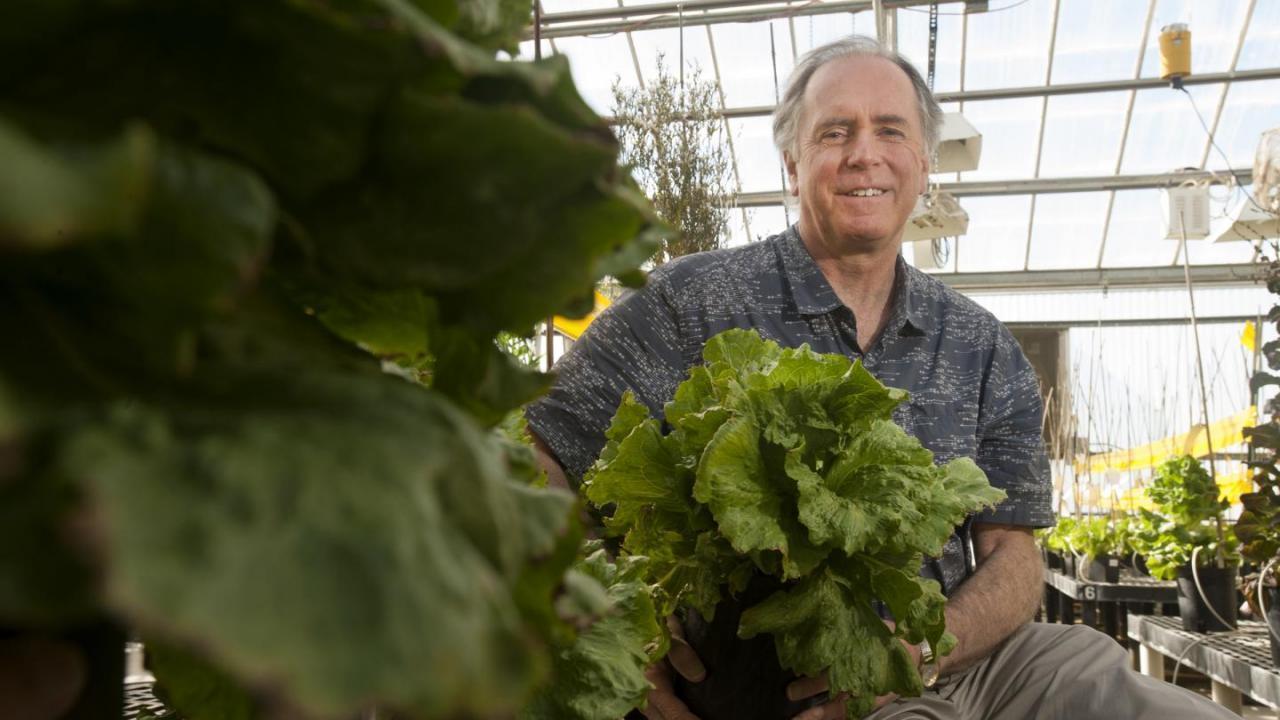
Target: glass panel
1135	237
746	64
736	232
666	41
997	237
814	30
1165	134
1251	108
1009	48
1215	30
1082	134
1098	40
913	41
759	167
1009	130
768	221
596	63
1066	230
1262	43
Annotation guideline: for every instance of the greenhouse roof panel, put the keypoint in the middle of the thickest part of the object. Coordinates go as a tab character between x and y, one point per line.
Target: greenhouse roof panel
1135	235
1098	40
759	165
747	61
596	63
997	237
1262	40
1010	134
1165	133
1008	48
1082	134
1067	230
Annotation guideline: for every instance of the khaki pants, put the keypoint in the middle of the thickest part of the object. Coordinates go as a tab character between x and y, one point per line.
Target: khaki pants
1053	671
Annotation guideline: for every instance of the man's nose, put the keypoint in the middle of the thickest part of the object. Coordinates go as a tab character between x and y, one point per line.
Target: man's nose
862	150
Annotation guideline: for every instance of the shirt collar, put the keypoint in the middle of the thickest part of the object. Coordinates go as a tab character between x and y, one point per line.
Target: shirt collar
813	295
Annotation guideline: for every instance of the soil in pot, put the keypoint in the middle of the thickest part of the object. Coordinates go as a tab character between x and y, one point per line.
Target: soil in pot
744	679
1219	586
1104	568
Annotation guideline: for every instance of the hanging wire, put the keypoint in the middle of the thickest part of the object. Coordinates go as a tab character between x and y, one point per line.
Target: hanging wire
1231	178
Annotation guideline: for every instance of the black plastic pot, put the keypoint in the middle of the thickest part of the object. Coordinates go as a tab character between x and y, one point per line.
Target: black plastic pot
1069	565
1219	586
1104	568
744	679
1139	564
1053	559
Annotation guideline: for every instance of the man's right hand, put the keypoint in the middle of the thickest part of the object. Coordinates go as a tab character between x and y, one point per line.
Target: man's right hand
663	704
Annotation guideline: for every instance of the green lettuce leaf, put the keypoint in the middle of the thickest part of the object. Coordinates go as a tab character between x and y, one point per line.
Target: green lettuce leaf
369	512
600	675
798	472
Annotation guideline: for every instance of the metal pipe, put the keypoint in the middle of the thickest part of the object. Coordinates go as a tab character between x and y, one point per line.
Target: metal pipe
1062	89
989	188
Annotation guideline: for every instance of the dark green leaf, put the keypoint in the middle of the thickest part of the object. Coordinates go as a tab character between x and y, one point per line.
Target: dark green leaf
368	511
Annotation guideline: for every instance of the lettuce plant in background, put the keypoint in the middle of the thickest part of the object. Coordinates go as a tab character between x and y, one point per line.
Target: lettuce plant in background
1188	512
220	221
786	462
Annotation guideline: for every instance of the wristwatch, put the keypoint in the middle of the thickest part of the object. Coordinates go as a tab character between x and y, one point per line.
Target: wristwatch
928	665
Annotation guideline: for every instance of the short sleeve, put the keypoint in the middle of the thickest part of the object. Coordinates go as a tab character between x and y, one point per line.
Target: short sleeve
633	345
1011	444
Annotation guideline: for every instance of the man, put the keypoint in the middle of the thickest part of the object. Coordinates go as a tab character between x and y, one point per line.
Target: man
856	129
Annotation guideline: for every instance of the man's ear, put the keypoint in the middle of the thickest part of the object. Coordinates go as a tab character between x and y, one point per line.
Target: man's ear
790	164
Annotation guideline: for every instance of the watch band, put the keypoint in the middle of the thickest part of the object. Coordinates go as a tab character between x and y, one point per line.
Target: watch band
928	665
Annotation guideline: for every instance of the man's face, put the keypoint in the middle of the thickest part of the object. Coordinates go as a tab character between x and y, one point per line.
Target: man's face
859	161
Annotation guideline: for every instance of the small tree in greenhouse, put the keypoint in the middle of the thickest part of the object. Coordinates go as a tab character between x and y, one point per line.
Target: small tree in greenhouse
677	147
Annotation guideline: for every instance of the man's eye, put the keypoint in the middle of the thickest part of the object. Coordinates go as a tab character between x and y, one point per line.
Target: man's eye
892	132
833	135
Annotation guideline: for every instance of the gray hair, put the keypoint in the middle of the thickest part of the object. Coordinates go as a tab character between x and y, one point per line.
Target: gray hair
787	114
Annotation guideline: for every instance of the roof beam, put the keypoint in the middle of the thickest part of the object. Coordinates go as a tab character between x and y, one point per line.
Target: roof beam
987	188
1128	322
1062	89
1109	278
667	14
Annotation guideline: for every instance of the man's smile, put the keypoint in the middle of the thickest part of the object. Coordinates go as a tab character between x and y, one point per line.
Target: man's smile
866	192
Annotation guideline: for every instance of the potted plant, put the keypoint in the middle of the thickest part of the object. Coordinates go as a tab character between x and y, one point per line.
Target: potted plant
1258	529
1186	540
1127	530
1258	526
1098	548
1053	543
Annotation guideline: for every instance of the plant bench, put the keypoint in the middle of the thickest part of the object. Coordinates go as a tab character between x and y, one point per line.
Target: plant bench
1236	663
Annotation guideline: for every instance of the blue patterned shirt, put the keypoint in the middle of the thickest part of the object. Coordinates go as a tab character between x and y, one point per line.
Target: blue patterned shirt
972	391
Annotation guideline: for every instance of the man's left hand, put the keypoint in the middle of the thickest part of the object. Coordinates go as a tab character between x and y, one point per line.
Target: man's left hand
834	709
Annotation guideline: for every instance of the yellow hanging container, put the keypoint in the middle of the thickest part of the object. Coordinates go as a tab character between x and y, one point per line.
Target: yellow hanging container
1175	51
